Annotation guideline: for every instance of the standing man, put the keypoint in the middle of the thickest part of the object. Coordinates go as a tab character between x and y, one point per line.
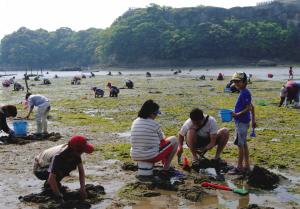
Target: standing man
43	105
57	162
5	112
202	134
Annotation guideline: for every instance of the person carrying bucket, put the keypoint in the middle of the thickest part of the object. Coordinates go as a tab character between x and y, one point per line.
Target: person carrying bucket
55	163
242	119
148	143
202	133
43	105
5	112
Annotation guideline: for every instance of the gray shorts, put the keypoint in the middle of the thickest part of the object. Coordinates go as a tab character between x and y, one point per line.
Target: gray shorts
241	133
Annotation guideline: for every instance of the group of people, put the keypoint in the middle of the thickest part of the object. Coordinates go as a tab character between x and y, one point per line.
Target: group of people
200	132
55	163
149	145
113	90
43	107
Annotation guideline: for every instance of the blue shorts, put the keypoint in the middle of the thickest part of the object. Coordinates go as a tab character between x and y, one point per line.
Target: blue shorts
241	133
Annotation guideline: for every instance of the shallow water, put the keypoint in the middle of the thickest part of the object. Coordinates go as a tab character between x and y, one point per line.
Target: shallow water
278	198
280	73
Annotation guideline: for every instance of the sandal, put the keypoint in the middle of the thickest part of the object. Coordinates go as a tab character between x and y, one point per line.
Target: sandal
235	171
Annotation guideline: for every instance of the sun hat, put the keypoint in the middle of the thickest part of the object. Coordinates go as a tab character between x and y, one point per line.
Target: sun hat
79	143
239	76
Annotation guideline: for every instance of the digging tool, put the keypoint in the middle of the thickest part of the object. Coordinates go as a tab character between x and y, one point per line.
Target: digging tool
218	186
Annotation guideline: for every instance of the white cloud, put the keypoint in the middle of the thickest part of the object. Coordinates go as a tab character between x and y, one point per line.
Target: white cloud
82	14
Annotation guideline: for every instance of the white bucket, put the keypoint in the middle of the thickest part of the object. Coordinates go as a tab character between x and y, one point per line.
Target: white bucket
145	168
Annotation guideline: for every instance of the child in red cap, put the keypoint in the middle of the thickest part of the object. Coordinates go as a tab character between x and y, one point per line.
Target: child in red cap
57	162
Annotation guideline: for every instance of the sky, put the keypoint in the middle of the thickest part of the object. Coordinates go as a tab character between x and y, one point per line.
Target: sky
83	14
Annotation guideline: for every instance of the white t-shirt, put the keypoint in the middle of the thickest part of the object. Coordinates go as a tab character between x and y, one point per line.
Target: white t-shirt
210	127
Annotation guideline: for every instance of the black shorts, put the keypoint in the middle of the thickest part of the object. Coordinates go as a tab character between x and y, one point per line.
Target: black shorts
202	141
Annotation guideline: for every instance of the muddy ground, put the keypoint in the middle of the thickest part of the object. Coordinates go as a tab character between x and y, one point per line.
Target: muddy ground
106	122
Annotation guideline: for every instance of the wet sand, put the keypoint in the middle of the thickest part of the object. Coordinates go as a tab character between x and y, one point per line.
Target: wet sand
107	121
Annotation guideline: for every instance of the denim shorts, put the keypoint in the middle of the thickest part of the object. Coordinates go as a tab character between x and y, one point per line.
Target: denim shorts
241	133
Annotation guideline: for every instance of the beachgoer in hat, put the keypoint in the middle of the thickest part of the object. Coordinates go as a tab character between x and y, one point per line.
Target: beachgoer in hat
98	92
43	105
7	111
242	112
148	143
113	90
55	163
202	133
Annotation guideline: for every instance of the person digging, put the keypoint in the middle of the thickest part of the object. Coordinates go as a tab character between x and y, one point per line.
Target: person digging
55	163
202	133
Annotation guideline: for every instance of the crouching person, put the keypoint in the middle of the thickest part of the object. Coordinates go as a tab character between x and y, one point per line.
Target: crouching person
57	162
98	92
202	133
148	143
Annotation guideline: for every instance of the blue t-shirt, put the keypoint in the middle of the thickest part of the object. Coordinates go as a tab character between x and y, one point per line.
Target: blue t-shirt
243	100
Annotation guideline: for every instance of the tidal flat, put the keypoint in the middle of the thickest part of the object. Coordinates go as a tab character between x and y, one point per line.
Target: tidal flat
74	110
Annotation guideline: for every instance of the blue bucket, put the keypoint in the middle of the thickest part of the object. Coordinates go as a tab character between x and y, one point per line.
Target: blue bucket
226	115
20	127
227	90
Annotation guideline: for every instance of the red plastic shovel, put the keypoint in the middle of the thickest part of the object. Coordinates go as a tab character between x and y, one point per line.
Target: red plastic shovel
218	186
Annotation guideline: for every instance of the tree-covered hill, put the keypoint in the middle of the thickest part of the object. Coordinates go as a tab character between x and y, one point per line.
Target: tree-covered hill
158	34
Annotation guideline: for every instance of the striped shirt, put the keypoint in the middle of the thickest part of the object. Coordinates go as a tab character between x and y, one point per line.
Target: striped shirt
146	135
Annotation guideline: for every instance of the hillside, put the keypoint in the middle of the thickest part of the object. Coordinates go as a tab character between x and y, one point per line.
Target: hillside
162	36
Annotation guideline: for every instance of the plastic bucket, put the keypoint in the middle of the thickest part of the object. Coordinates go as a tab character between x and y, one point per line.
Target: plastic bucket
227	90
226	115
145	168
20	127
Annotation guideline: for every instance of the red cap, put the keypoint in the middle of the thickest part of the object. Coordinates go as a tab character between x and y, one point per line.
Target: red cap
79	143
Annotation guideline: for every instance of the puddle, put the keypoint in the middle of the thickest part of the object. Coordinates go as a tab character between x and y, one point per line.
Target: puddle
278	198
